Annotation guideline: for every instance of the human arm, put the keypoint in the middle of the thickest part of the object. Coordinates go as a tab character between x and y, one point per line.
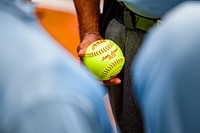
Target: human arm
88	12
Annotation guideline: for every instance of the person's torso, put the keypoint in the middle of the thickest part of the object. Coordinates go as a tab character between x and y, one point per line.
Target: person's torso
151	8
34	66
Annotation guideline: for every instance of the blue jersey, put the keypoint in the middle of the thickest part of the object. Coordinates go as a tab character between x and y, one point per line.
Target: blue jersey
152	8
166	73
43	89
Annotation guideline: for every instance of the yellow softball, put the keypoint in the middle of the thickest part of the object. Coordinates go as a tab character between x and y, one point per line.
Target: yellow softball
104	59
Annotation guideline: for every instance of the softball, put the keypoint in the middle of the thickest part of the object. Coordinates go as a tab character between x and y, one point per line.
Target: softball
104	59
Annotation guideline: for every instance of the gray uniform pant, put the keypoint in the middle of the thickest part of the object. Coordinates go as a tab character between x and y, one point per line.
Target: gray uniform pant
123	100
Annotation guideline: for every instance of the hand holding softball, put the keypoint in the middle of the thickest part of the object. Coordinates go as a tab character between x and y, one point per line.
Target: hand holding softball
87	40
104	59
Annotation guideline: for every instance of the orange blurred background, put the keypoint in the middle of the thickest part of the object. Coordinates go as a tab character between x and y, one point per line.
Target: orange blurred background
62	25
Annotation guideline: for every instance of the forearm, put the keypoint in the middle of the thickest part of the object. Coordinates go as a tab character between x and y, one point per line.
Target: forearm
88	12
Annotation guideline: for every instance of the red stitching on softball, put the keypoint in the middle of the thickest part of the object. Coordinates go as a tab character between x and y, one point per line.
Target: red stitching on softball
101	51
104	73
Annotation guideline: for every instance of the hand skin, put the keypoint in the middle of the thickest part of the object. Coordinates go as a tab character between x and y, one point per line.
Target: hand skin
88	12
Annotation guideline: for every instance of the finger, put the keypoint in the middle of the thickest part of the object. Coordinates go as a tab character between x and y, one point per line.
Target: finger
81	52
112	82
82	48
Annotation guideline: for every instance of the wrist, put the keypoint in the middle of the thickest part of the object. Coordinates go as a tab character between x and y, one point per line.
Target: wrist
92	36
89	30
